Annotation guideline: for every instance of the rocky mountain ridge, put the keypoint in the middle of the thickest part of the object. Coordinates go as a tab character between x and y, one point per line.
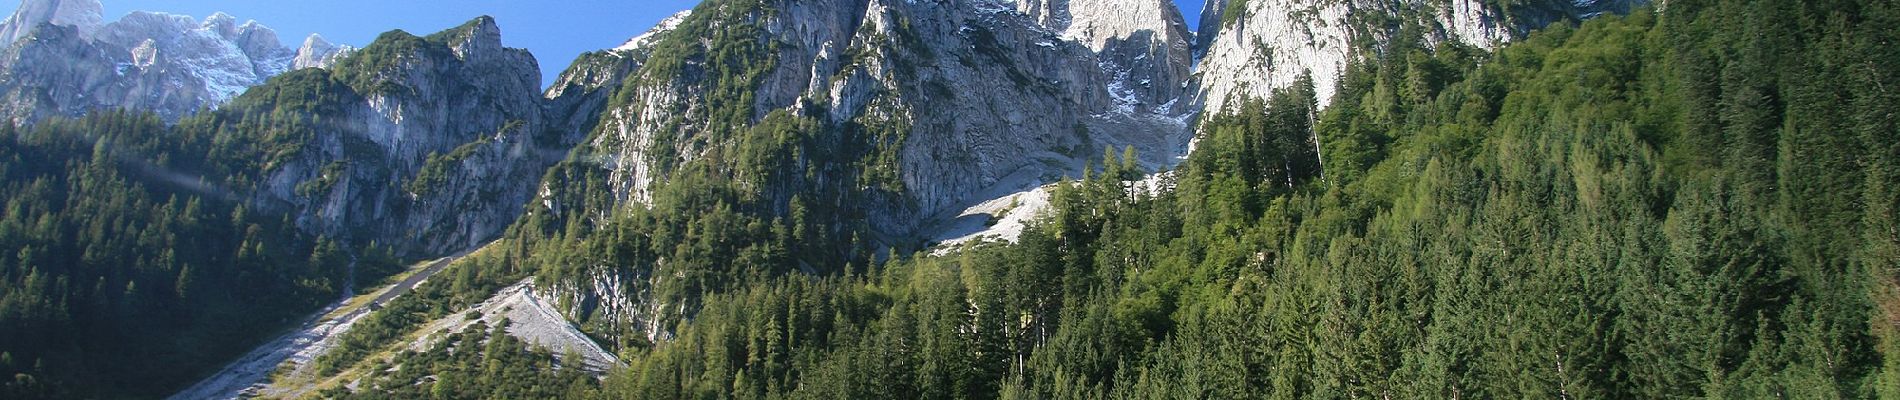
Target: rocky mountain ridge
439	140
954	102
61	59
1074	88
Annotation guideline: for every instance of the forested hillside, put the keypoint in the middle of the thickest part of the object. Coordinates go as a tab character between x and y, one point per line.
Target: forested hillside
1682	203
128	273
147	254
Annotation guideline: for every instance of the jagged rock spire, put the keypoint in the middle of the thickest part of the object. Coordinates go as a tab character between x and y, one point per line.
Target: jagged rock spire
317	52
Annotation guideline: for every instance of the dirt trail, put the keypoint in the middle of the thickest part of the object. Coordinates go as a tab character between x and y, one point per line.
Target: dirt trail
250	374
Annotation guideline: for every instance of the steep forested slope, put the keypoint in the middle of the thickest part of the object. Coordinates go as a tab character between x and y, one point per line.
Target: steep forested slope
150	253
127	275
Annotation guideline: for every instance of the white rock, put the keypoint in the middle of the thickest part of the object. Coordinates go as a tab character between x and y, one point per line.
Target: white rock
1274	42
652	35
87	15
319	53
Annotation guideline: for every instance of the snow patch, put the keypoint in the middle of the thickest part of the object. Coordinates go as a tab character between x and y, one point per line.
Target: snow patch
651	35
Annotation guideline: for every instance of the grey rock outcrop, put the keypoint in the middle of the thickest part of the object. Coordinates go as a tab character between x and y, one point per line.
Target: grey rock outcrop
64	62
1013	103
1269	44
1144	45
1209	27
86	15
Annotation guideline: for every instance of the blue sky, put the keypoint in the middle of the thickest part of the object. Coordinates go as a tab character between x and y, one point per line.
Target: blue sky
555	30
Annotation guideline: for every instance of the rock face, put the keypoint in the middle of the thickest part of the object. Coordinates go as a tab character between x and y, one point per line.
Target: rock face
61	60
86	15
437	143
972	100
1210	24
1143	44
1254	46
319	53
435	147
1013	102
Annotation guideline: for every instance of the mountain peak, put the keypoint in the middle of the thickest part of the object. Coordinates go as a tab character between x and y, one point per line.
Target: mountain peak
482	25
477	35
256	39
221	22
479	30
317	52
316	41
87	15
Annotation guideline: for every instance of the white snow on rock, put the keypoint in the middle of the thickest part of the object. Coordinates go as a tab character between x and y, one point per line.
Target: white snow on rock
170	64
652	35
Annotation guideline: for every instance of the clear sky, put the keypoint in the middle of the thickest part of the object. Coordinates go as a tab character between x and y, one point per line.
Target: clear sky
555	30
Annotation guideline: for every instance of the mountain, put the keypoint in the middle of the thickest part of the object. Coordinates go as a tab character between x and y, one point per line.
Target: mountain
319	53
60	59
873	121
1412	199
1244	51
1691	200
411	147
414	145
427	144
923	70
814	132
422	145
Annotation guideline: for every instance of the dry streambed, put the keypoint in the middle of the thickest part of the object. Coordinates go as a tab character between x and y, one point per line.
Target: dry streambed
251	375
